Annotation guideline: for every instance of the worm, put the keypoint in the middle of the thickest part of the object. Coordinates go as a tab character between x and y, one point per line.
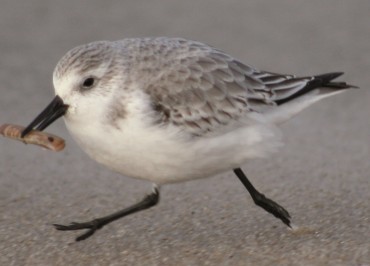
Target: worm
46	140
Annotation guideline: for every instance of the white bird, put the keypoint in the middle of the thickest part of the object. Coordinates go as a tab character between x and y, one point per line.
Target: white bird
169	110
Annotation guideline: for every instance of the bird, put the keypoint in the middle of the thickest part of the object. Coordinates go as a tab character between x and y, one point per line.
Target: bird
169	110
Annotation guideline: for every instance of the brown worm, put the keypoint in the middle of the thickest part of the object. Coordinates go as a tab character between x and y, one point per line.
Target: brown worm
46	140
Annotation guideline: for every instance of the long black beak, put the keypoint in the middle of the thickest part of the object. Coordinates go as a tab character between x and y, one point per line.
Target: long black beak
52	112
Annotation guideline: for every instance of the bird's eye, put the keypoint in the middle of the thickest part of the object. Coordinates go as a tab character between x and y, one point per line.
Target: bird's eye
88	83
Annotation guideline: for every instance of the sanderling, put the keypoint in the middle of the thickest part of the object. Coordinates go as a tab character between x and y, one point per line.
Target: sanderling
169	110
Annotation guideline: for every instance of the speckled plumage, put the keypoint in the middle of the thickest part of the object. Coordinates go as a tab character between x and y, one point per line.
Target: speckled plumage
191	84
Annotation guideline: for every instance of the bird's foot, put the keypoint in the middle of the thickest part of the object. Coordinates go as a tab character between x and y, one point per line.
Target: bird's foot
92	225
273	208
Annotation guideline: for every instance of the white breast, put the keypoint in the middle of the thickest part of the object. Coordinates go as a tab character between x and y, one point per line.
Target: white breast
163	154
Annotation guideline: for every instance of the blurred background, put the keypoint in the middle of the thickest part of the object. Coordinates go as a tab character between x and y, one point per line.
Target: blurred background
321	176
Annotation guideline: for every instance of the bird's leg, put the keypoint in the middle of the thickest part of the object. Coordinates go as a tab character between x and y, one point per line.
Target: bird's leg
260	199
149	201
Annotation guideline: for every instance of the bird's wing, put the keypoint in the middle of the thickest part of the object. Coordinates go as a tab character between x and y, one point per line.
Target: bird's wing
205	92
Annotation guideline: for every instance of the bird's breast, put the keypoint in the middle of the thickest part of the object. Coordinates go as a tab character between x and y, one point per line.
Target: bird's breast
166	155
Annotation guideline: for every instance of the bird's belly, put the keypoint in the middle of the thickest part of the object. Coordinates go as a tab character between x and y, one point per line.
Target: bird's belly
163	156
159	162
144	154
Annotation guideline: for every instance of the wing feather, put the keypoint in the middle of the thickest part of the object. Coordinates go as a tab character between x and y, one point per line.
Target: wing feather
206	89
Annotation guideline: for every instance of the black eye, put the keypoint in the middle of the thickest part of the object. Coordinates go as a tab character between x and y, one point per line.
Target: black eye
88	83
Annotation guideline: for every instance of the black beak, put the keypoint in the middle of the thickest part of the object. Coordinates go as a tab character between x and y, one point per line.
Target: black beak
52	112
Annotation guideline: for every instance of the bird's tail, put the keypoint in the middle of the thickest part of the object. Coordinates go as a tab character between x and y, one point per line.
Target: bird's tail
317	88
324	82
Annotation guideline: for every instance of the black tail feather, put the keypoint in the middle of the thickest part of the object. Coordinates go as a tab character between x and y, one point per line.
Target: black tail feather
318	81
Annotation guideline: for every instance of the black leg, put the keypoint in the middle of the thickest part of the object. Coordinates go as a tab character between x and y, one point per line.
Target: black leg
93	225
260	199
